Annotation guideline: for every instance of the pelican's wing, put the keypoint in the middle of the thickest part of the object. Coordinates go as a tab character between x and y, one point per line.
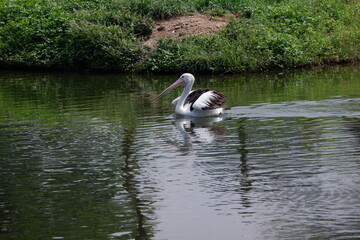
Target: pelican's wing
205	99
174	102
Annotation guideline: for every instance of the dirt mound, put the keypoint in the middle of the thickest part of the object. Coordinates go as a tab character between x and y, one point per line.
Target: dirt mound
175	28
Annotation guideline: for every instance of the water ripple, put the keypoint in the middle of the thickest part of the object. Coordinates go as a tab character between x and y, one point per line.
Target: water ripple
311	109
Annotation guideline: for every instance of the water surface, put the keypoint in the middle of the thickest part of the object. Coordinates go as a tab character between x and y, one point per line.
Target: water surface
86	156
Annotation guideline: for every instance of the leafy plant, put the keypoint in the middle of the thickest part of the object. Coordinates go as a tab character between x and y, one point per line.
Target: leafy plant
106	35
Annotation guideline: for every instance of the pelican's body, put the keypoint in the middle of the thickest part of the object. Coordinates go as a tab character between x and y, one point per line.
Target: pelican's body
196	103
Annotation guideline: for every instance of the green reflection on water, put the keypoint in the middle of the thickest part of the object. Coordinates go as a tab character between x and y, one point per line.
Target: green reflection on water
66	97
69	155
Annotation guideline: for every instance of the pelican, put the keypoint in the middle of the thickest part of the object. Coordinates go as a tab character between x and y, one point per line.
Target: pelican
196	103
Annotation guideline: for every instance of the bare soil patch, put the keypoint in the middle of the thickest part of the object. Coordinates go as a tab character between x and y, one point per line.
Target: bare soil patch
176	28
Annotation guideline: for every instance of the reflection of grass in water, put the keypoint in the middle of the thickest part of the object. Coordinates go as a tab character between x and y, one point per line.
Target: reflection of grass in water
66	126
81	99
291	86
52	98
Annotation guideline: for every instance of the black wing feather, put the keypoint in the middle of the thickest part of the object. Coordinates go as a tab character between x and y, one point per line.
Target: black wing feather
216	101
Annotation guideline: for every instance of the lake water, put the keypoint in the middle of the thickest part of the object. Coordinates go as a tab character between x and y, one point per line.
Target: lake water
87	156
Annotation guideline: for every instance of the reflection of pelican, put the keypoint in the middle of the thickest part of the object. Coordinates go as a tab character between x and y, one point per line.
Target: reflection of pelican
196	103
201	130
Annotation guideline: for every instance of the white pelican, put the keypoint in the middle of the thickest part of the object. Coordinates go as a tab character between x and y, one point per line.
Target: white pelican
196	103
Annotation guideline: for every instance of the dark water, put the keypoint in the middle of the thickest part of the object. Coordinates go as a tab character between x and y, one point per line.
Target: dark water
92	157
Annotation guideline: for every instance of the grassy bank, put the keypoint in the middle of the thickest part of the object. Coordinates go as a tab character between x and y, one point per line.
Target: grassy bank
106	35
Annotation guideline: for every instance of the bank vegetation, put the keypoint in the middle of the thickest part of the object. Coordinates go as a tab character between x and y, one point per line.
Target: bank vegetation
107	35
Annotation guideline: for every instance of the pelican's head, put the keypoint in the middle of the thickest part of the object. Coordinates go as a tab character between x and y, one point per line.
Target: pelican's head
184	80
187	78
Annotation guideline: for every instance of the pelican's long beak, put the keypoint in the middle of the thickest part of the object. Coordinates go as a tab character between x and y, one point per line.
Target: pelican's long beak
178	82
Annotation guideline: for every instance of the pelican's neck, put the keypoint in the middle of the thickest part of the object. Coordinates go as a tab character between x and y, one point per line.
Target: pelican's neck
185	93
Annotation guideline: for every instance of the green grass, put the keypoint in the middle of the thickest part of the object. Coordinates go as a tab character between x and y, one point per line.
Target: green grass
106	35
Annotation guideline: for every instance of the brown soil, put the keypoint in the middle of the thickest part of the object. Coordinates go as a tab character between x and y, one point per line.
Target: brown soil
176	28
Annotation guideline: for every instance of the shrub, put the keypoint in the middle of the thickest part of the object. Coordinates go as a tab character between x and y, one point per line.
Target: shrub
99	47
31	33
41	34
141	26
106	35
166	58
